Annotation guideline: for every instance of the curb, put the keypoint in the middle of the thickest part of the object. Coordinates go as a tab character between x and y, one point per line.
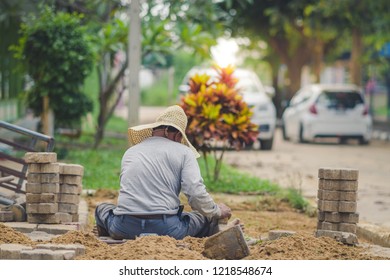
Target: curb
376	234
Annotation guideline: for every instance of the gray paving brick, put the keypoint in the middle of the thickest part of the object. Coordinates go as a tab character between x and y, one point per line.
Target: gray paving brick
69	198
43	168
68	208
71	189
42	188
41	208
337	185
71	169
338	174
40	157
12	251
71	179
48	178
6	216
41	198
78	248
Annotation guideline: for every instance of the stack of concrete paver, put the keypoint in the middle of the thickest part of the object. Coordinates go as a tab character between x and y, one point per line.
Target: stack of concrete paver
52	190
42	188
337	195
71	177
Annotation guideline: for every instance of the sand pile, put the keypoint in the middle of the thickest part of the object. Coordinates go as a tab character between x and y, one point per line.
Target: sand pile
9	235
304	246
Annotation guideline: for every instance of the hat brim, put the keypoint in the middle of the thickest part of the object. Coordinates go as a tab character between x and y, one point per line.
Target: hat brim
139	133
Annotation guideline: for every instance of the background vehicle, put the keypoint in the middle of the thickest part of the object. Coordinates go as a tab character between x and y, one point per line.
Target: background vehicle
255	95
334	110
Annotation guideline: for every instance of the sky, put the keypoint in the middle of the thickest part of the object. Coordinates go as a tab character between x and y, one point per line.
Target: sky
225	52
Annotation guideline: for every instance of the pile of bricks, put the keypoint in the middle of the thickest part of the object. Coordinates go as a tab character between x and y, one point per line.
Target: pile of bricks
337	195
52	189
41	252
71	178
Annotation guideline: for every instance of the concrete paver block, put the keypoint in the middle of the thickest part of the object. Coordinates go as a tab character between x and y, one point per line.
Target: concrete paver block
71	169
43	168
69	198
338	174
41	208
338	185
41	198
22	227
43	178
344	237
336	217
71	189
42	188
78	248
71	179
43	218
12	251
40	254
337	195
346	227
6	216
276	234
34	157
58	229
328	226
228	244
68	208
347	207
328	205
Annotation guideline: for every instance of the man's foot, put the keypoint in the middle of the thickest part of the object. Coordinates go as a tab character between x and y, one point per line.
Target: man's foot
101	231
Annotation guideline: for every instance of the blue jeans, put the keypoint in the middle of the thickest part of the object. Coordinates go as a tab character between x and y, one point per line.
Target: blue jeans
129	227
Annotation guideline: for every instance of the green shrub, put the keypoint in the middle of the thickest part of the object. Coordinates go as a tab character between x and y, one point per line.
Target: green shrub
57	56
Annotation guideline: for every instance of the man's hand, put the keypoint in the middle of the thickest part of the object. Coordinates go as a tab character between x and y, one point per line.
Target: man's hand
226	212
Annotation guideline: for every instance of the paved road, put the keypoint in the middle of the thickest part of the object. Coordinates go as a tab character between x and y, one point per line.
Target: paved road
296	165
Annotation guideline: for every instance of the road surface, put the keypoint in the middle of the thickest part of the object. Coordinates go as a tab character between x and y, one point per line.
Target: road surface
296	165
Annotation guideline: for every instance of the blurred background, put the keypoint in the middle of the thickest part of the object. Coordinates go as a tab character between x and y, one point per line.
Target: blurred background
288	43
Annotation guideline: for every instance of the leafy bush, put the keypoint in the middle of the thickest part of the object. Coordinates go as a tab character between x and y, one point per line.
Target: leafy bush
218	118
57	57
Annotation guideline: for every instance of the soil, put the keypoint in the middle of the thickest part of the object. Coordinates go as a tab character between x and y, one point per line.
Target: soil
259	214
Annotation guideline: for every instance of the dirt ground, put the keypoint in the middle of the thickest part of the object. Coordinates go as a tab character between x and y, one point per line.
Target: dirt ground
259	214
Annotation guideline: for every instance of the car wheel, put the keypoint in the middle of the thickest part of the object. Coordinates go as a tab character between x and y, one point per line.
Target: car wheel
363	142
266	145
301	139
285	137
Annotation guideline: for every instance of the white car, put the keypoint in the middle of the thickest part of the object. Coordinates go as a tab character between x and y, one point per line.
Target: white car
327	110
255	95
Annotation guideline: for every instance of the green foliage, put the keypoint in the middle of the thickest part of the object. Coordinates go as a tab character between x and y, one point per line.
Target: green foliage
57	57
233	181
217	115
294	198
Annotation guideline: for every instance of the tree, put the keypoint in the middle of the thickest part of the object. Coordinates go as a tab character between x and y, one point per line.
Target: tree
57	57
218	118
166	26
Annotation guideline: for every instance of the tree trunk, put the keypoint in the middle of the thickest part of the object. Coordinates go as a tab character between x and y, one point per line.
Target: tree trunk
318	54
356	54
294	66
45	115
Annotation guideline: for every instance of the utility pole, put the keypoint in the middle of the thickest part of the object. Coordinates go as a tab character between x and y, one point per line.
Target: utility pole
134	54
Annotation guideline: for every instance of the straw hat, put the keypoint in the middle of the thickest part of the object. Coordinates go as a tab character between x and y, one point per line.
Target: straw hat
172	116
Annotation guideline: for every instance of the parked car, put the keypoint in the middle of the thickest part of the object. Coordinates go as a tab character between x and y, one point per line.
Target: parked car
255	95
327	110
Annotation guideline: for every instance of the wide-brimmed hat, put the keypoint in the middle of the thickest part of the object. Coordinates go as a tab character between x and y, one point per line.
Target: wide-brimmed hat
172	116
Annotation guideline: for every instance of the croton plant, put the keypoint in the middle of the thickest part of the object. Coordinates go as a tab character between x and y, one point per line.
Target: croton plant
218	117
